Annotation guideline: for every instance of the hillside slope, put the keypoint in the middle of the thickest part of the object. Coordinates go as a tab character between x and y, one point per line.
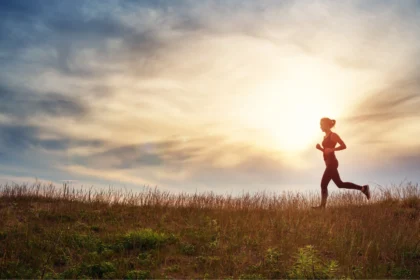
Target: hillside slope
49	232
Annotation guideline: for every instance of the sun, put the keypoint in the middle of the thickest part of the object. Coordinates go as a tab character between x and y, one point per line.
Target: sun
288	109
292	123
295	127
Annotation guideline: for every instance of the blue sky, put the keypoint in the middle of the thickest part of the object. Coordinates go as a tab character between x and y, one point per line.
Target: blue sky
219	96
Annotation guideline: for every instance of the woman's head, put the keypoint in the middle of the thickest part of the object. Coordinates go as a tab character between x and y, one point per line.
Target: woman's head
327	124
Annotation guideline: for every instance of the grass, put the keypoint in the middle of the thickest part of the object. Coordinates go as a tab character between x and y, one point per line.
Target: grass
62	232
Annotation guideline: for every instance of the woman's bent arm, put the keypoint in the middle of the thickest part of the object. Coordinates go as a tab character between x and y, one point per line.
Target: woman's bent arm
337	139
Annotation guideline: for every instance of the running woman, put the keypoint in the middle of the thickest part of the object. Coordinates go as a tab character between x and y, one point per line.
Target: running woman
331	171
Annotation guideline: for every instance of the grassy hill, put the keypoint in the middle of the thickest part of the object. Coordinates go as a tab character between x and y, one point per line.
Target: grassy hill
59	232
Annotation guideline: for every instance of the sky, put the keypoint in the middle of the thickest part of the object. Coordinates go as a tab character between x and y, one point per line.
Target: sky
208	96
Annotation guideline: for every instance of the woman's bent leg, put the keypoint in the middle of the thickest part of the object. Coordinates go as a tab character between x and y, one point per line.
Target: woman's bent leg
343	185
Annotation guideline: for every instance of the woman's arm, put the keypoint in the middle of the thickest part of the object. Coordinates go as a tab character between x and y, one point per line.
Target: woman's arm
337	139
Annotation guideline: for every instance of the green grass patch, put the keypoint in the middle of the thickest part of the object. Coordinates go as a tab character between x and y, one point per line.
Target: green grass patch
138	274
145	239
100	270
308	264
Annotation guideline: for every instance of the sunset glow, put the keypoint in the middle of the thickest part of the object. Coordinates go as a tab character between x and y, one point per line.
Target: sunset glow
288	109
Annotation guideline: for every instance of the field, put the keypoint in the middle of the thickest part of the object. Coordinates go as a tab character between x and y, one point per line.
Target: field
59	232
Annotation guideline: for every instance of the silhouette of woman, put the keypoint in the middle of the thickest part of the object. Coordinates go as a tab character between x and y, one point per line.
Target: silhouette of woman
331	171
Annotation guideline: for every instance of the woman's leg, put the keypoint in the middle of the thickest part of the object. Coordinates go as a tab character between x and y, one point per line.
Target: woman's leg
343	185
326	178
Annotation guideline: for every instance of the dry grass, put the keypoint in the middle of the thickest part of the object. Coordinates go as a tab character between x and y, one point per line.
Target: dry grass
62	232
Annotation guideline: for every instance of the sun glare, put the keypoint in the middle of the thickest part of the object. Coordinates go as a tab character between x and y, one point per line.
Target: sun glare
288	109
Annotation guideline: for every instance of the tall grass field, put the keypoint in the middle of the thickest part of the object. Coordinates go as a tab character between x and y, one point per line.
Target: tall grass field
57	232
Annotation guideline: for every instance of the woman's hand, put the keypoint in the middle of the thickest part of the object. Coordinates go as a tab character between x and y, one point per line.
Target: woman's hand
319	147
328	151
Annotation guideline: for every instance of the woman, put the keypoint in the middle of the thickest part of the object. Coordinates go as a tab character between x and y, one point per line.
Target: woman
331	171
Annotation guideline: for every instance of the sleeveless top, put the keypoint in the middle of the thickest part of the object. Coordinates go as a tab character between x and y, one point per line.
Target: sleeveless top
329	143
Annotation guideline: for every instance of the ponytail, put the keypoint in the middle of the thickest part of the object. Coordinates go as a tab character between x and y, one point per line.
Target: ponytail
331	122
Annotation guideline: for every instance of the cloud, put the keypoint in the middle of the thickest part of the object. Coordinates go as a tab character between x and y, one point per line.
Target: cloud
195	160
170	153
16	139
19	24
24	104
232	168
387	110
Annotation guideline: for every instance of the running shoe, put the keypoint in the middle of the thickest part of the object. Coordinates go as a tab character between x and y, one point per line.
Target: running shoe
366	191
